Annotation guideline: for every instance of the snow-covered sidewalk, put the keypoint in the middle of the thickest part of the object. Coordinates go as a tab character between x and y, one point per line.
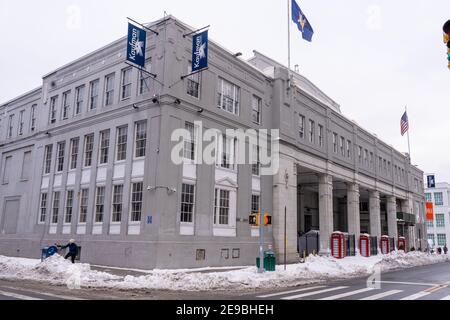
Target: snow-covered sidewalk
56	270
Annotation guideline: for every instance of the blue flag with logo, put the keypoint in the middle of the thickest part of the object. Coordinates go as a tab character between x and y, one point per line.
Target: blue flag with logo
136	43
200	51
302	23
431	181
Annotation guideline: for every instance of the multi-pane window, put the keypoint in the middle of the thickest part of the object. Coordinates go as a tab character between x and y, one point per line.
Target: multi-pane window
301	126
109	89
55	213
48	158
53	101
84	205
228	153
428	197
140	139
349	148
366	158
255	203
43	208
10	125
69	207
136	201
21	122
311	131
126	83
187	202
33	117
320	135
79	99
341	146
117	205
360	154
256	109
440	220
189	142
193	82
380	164
335	142
74	146
122	136
7	169
371	160
431	237
438	199
144	77
441	239
99	204
65	105
93	94
228	96
60	156
221	207
256	165
104	146
429	223
88	148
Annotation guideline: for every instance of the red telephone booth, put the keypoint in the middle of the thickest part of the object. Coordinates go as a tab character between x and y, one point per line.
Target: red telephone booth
364	245
337	245
384	244
401	243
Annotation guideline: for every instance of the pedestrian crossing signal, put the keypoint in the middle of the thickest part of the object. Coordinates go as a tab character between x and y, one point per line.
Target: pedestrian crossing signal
267	220
253	219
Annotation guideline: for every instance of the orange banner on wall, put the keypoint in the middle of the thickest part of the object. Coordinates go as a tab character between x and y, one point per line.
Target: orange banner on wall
430	214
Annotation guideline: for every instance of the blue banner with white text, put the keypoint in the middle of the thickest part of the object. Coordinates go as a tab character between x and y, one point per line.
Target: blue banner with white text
200	51
136	43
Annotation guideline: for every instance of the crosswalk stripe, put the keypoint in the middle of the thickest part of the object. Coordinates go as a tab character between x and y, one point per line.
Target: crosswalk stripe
446	298
312	293
46	294
416	296
17	296
290	291
382	295
347	294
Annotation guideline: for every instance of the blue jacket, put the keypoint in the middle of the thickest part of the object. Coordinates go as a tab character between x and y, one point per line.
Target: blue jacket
73	248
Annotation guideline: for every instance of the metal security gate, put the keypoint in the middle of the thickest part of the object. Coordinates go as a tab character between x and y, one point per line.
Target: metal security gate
308	243
373	246
350	241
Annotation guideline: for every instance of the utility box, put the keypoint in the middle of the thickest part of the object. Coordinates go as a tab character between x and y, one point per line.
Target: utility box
337	245
364	245
385	244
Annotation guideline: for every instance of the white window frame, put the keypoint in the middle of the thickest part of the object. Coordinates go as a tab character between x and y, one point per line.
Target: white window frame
104	145
67	207
33	117
125	87
118	143
136	140
109	89
145	77
81	214
301	124
94	94
58	201
256	109
98	204
53	110
85	150
234	97
79	99
65	105
131	217
21	123
43	205
74	153
114	203
192	213
60	153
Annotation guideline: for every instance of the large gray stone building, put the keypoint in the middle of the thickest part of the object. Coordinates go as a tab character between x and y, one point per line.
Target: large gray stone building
88	156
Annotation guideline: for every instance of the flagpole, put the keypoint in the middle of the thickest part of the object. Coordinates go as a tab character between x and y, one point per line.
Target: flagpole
289	41
409	146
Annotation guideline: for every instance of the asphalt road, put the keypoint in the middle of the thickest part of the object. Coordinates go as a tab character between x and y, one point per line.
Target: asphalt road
420	283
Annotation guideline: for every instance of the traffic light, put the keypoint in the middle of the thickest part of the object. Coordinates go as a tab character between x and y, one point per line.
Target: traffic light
253	219
446	29
267	220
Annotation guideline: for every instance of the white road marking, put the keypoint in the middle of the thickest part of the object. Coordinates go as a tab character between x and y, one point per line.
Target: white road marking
382	295
347	294
416	296
17	296
312	293
409	283
290	291
46	294
446	298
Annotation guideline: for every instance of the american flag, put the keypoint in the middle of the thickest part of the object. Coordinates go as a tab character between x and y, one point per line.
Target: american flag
404	125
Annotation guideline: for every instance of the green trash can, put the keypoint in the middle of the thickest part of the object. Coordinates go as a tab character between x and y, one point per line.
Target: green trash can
269	261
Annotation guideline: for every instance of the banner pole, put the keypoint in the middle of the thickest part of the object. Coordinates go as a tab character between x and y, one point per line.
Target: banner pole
409	146
289	41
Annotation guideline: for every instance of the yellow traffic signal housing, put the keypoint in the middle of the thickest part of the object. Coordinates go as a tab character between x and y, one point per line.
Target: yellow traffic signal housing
253	219
267	220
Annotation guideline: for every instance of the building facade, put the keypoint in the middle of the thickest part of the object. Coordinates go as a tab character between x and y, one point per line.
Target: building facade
88	156
438	229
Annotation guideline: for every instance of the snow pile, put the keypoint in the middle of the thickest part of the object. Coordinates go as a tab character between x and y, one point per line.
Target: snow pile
316	269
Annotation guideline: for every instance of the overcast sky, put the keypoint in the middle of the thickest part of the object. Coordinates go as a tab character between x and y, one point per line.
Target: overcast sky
372	57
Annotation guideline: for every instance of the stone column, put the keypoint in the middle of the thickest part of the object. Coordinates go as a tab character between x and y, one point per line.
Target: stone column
375	220
285	195
407	207
354	222
325	212
391	208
